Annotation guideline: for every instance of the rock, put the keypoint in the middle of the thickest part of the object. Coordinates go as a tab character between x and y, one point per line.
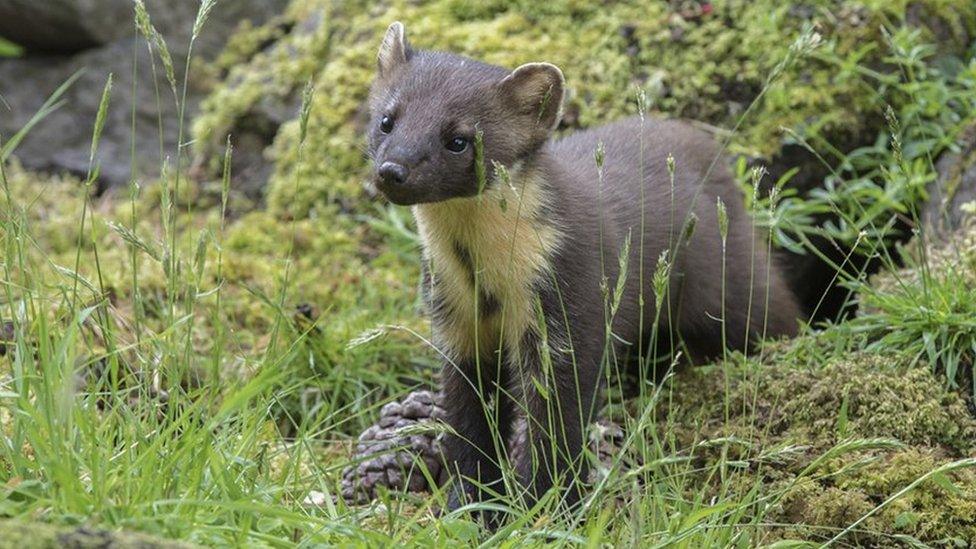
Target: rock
315	499
70	26
61	141
174	20
273	86
795	404
18	535
64	26
954	187
948	36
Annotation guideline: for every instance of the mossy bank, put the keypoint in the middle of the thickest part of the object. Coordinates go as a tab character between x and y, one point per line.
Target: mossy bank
707	61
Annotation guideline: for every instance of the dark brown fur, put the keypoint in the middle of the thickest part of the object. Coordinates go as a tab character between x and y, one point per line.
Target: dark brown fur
433	97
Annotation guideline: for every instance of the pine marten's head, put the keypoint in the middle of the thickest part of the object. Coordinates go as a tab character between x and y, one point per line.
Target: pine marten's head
427	107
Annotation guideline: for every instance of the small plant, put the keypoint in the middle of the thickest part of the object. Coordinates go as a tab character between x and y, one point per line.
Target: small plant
872	194
928	310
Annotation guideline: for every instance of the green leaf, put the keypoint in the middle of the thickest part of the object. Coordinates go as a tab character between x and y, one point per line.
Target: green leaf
946	483
698	516
479	160
540	388
842	420
789	544
906	519
100	118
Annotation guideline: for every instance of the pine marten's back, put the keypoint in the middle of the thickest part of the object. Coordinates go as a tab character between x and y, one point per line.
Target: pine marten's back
612	204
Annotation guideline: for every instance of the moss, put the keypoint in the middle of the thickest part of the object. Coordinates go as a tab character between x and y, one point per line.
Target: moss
707	66
796	400
882	395
885	397
941	512
20	535
940	509
809	505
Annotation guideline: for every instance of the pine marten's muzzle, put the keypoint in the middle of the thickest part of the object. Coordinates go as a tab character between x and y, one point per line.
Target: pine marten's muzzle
393	174
392	181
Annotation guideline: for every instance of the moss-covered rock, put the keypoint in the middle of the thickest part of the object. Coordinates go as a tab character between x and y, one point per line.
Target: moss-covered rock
819	404
938	511
953	192
942	509
705	61
35	535
950	258
832	427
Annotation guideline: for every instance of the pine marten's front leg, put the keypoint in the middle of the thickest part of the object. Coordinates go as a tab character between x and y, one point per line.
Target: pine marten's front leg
556	386
476	408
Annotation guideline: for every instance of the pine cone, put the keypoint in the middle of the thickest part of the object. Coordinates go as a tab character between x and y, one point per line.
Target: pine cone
390	452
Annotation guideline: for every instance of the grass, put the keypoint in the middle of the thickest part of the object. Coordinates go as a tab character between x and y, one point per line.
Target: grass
159	378
9	49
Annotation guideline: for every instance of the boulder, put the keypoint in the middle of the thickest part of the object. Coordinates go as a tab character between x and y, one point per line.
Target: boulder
64	26
15	535
69	26
61	141
954	187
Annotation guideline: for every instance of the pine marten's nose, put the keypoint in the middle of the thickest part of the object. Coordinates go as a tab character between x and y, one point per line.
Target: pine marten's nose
392	173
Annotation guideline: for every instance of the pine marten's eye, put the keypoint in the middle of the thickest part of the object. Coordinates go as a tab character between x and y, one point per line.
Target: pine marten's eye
386	124
457	144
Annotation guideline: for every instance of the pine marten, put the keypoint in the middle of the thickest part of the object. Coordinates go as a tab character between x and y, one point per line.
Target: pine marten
522	237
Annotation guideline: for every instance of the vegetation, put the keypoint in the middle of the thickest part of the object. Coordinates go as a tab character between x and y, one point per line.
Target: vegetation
182	362
8	49
688	63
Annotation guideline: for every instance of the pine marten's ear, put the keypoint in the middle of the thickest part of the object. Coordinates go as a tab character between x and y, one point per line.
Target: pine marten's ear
535	90
394	51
